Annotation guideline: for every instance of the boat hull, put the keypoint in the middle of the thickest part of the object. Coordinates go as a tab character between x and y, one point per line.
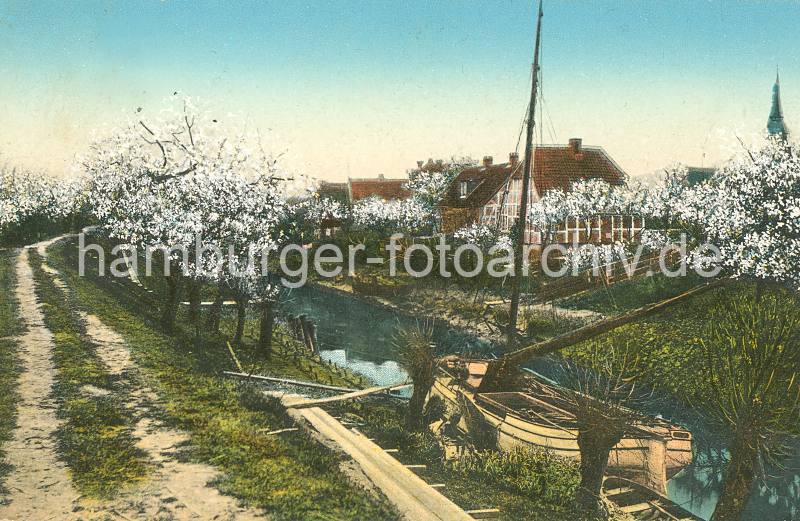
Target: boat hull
650	460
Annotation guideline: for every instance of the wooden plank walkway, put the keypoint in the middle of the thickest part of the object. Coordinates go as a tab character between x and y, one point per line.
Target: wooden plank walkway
299	383
410	494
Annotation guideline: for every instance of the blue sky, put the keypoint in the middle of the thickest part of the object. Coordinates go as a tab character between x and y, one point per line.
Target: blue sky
369	87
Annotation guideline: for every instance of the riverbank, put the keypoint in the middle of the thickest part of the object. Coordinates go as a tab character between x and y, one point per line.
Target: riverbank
287	475
668	338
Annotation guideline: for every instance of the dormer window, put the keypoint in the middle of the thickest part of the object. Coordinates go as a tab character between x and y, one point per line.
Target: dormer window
464	189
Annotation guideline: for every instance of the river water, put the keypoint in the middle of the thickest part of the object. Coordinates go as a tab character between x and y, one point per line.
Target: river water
360	336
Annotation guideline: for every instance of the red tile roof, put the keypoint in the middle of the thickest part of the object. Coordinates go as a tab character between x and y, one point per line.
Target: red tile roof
482	183
381	187
554	166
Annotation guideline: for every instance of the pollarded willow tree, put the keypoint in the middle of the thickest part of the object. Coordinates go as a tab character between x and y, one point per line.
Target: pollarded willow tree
751	372
208	198
417	353
751	212
602	390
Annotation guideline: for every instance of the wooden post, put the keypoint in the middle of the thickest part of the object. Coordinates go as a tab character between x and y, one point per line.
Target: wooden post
312	334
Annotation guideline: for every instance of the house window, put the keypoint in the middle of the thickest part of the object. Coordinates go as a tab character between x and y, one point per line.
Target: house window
596	231
618	228
464	189
637	225
572	229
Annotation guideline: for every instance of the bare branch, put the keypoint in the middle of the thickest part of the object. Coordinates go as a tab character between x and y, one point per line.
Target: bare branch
189	126
157	142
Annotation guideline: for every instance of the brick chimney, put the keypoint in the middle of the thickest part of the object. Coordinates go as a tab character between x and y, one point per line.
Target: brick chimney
513	159
381	177
575	145
487	160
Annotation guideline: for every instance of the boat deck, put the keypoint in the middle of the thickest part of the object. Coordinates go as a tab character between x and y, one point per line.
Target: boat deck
527	408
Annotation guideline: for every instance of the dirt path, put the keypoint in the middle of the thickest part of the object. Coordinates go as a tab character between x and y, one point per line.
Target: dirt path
39	484
177	490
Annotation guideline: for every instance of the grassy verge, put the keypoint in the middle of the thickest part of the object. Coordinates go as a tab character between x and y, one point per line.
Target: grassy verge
9	362
532	485
96	438
289	476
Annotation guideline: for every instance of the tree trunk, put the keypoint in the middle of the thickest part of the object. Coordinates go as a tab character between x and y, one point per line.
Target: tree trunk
194	306
265	335
174	286
194	301
241	315
759	291
415	420
215	313
739	479
594	448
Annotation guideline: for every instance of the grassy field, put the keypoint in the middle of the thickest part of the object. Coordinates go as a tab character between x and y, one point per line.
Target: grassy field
9	363
668	343
631	294
291	477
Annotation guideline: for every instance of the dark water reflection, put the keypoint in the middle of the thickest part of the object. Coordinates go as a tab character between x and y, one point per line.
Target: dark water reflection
359	336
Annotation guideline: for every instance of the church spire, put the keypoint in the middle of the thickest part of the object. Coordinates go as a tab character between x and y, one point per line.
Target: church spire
775	124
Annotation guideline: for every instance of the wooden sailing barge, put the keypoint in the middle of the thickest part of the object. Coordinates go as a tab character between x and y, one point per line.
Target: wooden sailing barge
653	452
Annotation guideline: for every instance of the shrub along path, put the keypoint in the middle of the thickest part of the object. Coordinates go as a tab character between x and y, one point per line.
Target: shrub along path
39	485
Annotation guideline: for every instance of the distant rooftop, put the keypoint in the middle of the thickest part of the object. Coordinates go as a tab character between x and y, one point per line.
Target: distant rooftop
362	188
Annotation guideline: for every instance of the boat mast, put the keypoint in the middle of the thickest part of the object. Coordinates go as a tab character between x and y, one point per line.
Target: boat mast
522	220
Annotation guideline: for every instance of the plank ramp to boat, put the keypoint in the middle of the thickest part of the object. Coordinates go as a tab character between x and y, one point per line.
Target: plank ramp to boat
415	499
360	393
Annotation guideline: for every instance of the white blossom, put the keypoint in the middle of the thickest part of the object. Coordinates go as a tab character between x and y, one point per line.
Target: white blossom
402	216
25	196
183	179
483	236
